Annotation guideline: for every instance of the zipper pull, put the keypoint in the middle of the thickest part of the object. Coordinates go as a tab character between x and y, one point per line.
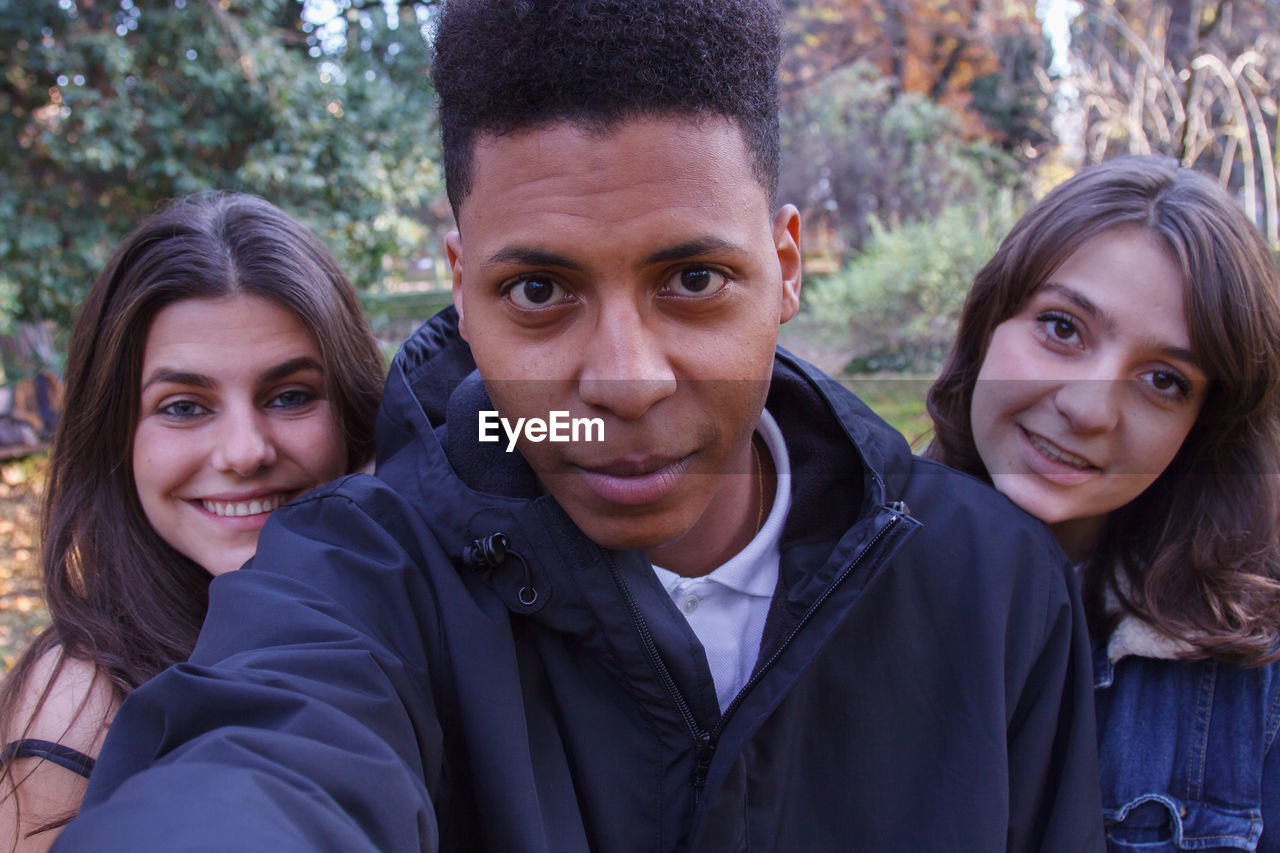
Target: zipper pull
703	750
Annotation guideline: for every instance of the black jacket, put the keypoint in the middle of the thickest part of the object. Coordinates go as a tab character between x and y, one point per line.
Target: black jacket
368	684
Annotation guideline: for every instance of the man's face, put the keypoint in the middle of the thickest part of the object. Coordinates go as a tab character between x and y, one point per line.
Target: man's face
638	277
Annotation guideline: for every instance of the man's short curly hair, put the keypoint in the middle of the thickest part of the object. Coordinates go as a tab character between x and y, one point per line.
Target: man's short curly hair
506	65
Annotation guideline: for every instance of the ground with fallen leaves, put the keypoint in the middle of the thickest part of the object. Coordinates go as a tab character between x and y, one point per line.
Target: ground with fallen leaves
22	611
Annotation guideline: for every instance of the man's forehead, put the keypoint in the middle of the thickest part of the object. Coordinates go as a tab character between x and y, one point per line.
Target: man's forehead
612	167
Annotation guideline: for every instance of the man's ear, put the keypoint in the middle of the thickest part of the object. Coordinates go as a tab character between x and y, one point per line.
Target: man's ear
453	250
786	237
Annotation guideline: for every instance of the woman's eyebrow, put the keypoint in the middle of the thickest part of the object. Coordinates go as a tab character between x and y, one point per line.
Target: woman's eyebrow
1088	306
1084	303
288	368
177	377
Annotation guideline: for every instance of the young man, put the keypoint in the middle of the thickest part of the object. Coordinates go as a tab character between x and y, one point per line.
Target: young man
639	582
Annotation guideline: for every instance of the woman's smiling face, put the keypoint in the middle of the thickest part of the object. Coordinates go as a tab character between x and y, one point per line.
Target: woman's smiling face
233	422
1086	394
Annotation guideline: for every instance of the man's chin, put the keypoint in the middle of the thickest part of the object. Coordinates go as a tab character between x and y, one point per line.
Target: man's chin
629	534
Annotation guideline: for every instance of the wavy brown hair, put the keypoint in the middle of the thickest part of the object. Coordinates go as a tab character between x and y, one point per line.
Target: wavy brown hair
1196	555
120	597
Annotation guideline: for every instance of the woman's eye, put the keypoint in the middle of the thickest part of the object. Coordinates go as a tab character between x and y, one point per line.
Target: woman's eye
1059	327
533	294
292	399
1168	384
696	281
183	409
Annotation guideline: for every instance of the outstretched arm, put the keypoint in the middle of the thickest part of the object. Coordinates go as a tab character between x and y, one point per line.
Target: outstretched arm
305	719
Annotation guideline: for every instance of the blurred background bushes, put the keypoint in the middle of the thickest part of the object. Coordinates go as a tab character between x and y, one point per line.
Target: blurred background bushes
913	133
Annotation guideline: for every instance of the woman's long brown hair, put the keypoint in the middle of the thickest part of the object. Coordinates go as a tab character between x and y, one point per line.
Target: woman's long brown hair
1196	555
119	596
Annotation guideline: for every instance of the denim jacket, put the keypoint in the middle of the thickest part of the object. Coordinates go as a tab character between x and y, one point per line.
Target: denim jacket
1187	749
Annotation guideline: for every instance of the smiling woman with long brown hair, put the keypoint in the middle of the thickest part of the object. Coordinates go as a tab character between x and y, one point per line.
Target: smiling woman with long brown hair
220	366
1117	375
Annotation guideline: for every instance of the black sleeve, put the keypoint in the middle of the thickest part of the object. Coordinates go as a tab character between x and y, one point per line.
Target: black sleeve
1053	770
305	720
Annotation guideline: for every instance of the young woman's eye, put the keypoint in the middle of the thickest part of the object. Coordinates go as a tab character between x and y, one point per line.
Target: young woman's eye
183	409
535	293
696	281
1059	327
292	399
1167	383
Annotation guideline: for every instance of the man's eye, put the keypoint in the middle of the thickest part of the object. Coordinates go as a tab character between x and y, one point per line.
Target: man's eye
532	294
696	281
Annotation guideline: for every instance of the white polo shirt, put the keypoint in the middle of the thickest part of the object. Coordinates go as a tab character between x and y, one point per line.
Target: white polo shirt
727	607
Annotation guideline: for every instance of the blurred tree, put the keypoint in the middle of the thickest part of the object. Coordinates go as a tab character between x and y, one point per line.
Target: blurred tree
108	107
1196	80
859	155
894	306
985	60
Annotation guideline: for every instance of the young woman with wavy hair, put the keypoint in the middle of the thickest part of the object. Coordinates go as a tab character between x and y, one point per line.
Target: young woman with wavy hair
220	366
1117	375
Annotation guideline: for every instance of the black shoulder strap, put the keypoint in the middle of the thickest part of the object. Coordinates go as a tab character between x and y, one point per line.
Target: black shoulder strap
63	756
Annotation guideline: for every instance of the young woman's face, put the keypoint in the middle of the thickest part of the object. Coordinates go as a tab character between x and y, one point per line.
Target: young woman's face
233	422
1087	393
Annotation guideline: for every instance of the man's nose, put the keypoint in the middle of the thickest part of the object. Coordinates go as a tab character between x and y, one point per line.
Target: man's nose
626	368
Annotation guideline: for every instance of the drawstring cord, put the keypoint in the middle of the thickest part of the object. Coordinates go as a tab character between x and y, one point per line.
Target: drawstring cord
492	551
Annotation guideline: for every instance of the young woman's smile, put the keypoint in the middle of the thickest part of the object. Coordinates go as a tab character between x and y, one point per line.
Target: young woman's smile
233	422
1086	394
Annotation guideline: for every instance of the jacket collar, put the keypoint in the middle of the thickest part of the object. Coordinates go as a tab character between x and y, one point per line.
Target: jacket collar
1133	637
847	465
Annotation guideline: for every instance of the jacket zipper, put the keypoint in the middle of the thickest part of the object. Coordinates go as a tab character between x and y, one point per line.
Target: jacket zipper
703	746
704	743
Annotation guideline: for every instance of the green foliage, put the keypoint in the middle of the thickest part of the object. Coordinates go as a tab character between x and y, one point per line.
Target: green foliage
897	302
107	109
857	151
900	401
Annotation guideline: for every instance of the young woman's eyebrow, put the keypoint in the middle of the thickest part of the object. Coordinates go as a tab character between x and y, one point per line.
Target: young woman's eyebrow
1084	303
1176	353
177	377
1089	307
287	368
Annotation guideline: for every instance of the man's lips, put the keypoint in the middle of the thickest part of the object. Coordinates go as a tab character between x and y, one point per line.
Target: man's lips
632	482
1053	462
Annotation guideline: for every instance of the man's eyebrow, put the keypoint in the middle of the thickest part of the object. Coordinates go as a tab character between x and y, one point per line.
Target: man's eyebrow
693	249
288	368
531	257
177	377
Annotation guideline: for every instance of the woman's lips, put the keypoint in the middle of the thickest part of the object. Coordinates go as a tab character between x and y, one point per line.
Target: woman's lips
632	483
1054	463
244	511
